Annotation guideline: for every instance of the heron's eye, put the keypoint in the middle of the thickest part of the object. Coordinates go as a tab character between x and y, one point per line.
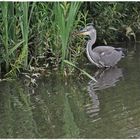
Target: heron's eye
88	29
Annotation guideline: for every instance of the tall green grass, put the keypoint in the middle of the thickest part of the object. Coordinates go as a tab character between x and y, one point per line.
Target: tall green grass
65	14
24	23
4	8
16	18
15	30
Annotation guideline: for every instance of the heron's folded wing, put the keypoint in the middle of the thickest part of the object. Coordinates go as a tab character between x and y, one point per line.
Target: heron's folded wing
110	58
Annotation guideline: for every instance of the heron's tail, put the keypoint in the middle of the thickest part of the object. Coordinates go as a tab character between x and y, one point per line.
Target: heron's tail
123	50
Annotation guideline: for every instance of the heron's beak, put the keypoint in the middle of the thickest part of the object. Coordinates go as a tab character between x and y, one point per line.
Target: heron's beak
83	32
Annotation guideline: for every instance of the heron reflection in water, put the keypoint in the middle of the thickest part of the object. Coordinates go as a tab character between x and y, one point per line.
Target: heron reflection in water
105	79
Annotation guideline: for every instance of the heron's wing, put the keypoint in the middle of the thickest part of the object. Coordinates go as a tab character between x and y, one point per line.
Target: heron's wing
106	56
110	58
102	49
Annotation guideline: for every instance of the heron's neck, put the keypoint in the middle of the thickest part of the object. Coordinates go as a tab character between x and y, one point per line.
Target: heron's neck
91	42
93	37
89	46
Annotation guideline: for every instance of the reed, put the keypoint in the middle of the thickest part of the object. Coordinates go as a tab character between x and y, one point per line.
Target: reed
24	23
4	8
15	29
65	14
82	71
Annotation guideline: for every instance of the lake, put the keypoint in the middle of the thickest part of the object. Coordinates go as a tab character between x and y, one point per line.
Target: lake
75	107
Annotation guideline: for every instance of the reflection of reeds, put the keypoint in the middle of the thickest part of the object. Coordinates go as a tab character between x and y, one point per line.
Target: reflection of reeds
17	117
6	122
70	128
25	124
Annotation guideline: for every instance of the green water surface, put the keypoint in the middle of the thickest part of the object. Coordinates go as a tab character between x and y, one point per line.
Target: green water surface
74	107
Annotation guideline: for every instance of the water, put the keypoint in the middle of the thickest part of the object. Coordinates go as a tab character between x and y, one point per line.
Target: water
74	107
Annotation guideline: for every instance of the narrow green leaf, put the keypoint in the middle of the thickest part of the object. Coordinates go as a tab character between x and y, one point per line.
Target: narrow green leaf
14	48
84	72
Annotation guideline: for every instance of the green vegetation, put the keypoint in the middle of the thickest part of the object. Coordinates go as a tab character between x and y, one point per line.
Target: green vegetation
42	34
114	21
65	16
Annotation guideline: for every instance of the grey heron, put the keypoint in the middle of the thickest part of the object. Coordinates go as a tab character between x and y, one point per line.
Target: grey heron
101	56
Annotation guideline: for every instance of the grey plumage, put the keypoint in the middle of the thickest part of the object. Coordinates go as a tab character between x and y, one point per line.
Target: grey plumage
101	56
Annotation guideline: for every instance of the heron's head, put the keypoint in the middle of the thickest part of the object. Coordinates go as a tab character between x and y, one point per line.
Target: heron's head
89	30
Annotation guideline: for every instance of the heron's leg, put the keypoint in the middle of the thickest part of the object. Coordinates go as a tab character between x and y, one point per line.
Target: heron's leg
99	72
